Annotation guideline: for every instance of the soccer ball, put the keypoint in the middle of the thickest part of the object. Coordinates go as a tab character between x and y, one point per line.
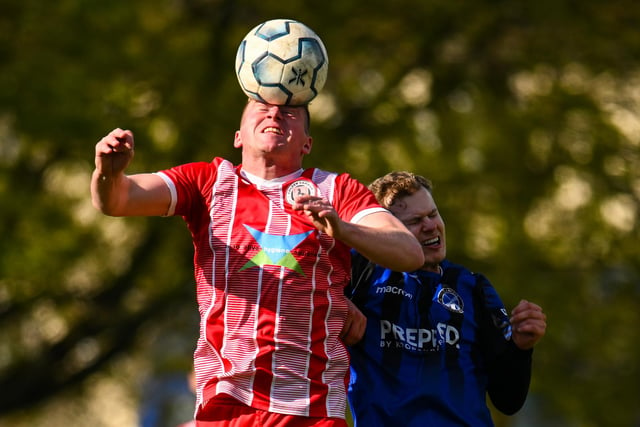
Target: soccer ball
282	62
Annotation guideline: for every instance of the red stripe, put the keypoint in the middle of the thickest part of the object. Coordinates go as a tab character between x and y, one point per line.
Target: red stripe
318	362
266	346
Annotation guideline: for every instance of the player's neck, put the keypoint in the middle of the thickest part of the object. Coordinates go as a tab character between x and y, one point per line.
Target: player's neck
267	169
433	268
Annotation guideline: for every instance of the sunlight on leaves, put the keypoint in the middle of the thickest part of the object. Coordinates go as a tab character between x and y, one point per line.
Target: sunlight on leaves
485	235
620	99
85	275
164	133
540	145
53	326
9	141
574	78
371	82
620	211
577	137
84	352
67	180
461	101
323	108
471	159
615	166
144	100
573	191
426	126
415	87
359	153
111	403
397	157
385	113
532	83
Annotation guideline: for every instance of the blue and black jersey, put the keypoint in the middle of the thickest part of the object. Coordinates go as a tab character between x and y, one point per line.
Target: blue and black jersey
434	346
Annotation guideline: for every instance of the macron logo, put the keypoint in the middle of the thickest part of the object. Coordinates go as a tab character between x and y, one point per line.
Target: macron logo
393	290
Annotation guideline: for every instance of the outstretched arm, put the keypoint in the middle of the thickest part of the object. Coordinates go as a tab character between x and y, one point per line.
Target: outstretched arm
379	236
117	194
384	240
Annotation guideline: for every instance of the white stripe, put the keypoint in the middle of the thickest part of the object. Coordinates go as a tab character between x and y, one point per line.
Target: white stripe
172	190
358	217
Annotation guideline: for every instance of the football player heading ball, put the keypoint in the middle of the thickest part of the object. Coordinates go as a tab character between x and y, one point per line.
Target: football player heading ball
270	270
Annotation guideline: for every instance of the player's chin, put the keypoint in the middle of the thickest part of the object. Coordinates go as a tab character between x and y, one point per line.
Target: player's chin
434	254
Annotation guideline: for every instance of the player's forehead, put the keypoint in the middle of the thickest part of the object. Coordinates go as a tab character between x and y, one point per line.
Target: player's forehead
415	205
253	104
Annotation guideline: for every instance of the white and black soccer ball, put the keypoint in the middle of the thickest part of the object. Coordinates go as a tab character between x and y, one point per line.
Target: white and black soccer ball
282	62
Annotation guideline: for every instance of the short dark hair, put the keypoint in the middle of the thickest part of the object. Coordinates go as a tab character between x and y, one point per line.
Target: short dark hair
307	123
388	188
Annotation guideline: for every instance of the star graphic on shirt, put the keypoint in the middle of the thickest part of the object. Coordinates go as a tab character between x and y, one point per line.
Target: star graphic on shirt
275	250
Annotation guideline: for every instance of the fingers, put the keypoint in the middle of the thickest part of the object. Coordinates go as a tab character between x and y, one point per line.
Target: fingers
525	305
114	152
117	141
355	325
529	324
531	327
313	204
321	213
527	310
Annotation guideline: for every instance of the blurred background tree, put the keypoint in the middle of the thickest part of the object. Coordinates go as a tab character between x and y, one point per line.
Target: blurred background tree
526	115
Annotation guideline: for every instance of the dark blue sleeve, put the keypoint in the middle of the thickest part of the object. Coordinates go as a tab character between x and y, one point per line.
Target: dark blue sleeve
361	271
509	378
508	367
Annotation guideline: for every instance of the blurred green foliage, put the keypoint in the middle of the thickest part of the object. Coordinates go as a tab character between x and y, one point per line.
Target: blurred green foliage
526	115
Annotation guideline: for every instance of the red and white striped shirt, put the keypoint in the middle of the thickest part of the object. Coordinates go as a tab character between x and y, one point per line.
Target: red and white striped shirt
269	286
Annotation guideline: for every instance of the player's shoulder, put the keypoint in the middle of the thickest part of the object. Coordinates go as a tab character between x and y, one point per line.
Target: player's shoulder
451	268
202	165
332	181
201	172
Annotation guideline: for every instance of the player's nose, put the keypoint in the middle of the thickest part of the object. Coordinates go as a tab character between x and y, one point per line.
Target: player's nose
274	111
427	223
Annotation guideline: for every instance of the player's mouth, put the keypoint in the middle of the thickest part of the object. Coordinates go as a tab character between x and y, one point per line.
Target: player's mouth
271	129
431	242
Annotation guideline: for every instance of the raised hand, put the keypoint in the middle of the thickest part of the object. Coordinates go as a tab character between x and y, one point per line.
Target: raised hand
114	152
528	323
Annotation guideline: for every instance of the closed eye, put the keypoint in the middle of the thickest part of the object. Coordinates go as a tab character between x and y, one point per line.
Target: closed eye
412	222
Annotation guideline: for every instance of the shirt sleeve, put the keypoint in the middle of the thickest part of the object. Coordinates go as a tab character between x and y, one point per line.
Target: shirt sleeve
509	379
508	367
354	200
190	186
361	271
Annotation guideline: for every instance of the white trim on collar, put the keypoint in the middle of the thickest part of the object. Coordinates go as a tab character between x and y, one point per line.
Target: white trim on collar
270	182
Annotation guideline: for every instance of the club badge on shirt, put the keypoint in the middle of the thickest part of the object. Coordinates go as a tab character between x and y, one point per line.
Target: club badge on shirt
449	299
300	187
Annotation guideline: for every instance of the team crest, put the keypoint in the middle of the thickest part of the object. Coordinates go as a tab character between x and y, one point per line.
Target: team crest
300	187
450	300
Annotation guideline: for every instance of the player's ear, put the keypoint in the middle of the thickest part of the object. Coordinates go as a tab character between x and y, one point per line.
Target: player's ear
237	140
306	147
